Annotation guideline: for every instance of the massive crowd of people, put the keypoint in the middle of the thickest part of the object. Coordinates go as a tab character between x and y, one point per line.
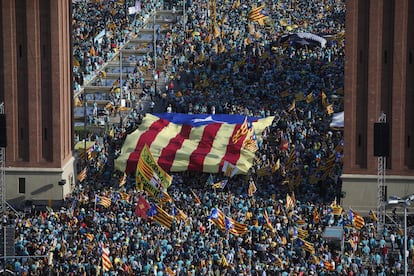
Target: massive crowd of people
219	61
100	29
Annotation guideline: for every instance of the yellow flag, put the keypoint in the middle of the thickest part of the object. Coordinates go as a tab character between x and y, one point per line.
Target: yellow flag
276	166
236	4
224	261
285	94
216	31
78	102
373	215
329	109
292	106
283	22
309	98
76	62
324	99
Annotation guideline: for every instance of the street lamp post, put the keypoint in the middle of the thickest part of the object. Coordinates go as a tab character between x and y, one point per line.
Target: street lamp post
85	104
405	202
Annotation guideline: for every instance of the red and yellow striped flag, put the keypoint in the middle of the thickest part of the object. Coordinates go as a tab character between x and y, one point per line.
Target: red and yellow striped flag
217	217
268	222
234	227
257	15
123	179
169	271
328	266
336	209
82	175
226	223
316	217
181	215
160	216
106	261
291	158
302	233
103	200
164	198
252	188
290	201
124	196
330	109
307	246
356	219
89	236
191	142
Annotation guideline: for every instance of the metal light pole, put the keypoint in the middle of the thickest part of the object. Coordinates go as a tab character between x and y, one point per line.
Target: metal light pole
184	17
405	241
85	104
405	202
155	56
155	42
120	76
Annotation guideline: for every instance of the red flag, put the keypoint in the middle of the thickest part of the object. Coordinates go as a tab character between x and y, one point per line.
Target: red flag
142	207
284	145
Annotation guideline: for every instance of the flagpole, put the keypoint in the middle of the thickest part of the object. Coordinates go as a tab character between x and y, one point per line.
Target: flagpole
94	208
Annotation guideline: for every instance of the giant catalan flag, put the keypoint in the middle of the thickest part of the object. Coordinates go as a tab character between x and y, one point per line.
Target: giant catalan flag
196	142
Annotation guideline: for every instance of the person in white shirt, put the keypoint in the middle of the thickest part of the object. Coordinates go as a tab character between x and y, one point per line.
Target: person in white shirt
392	239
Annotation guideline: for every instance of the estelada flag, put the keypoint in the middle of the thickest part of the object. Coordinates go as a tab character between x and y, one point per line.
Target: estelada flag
307	246
234	227
104	201
161	216
191	142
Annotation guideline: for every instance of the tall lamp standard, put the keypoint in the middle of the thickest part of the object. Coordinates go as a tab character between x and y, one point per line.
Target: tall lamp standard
85	104
405	202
